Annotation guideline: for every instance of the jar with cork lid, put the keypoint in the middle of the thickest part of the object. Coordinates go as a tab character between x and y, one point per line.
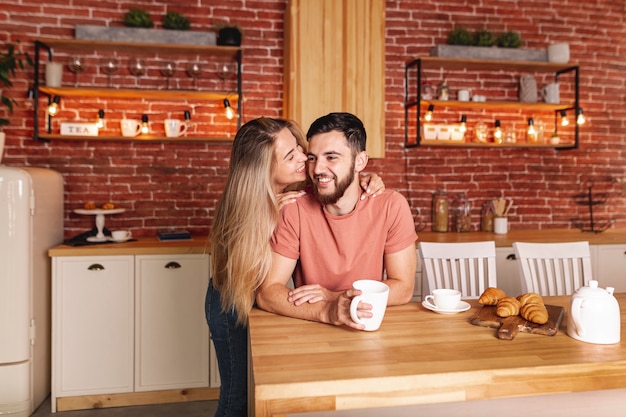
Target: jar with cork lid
440	211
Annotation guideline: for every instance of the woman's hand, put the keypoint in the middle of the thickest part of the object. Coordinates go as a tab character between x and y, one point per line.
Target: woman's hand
288	197
372	184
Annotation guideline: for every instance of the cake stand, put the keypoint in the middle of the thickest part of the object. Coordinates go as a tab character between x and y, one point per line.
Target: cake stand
99	213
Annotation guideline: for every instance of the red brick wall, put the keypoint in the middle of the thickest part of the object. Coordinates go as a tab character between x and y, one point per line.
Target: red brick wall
178	184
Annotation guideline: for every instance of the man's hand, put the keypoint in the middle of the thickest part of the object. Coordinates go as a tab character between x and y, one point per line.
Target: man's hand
337	304
311	294
339	311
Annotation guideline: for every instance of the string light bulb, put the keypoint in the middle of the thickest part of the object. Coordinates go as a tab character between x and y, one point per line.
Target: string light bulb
30	98
564	119
145	128
532	132
429	114
230	113
53	108
463	126
100	119
580	118
497	133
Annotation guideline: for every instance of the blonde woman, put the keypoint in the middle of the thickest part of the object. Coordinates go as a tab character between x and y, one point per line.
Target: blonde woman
267	168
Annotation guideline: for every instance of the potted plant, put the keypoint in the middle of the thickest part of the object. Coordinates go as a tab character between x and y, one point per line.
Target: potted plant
176	21
10	61
228	34
137	18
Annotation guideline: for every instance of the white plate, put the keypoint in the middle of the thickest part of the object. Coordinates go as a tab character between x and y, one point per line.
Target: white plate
463	306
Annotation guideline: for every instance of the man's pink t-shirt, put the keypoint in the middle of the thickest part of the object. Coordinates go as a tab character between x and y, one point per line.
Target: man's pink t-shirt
334	251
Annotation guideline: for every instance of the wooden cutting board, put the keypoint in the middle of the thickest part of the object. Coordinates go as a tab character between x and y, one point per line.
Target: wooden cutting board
509	327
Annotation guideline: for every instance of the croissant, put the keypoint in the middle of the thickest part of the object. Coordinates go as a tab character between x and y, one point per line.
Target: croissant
507	306
530	298
491	296
537	313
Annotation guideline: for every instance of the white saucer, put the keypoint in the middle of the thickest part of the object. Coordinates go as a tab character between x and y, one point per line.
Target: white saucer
119	240
463	306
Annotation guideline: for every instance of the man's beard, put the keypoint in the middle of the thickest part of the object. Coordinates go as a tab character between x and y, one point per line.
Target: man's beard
342	186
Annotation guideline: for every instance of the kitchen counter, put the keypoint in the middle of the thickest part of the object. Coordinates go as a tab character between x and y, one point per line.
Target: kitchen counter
608	237
139	246
418	357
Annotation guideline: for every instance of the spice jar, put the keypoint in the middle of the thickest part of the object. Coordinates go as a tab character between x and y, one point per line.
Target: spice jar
440	211
461	208
486	217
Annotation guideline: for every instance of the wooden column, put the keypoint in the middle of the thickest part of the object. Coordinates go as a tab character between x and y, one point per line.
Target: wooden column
335	61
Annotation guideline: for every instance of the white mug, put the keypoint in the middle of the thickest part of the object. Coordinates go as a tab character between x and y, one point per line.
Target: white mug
550	93
464	95
130	127
444	299
121	235
175	128
375	293
54	74
500	225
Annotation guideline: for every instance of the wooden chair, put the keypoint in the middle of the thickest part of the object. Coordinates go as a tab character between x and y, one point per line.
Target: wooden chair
553	268
469	267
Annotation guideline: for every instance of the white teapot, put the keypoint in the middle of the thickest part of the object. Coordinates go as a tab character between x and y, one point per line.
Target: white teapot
594	315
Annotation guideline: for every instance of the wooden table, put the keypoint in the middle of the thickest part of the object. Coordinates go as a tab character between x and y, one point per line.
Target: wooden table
417	357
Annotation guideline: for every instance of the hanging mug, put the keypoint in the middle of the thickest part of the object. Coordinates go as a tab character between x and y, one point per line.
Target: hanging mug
550	93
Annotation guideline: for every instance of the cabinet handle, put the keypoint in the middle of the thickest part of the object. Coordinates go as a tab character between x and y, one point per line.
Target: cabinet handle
95	267
172	265
511	257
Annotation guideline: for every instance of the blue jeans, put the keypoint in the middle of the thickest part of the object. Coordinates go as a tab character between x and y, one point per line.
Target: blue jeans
231	346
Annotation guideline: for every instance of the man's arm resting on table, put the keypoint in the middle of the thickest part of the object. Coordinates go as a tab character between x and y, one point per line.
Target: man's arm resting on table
400	267
273	296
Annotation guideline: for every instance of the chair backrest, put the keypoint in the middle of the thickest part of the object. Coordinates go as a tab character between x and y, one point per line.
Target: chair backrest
469	267
553	268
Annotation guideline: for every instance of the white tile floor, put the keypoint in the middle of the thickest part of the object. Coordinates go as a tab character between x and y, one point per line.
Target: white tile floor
188	409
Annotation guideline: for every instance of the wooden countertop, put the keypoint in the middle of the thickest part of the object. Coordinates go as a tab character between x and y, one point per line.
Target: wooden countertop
608	237
141	246
418	357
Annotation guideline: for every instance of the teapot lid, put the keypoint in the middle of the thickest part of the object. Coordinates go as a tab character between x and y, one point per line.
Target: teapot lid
592	290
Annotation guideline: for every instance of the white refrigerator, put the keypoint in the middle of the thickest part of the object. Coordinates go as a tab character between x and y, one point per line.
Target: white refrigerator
31	222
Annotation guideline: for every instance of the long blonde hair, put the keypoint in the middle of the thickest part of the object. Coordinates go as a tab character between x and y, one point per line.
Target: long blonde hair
247	214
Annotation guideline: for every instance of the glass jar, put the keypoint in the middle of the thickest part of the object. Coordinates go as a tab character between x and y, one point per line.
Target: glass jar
440	211
444	91
481	132
461	219
428	92
486	217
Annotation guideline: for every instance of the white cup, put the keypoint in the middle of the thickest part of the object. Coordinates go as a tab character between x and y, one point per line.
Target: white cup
130	127
500	225
175	128
464	95
550	93
444	299
121	235
558	52
54	74
375	293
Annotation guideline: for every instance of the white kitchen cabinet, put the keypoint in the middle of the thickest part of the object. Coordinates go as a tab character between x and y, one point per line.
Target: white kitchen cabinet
129	324
172	344
609	266
92	325
507	271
